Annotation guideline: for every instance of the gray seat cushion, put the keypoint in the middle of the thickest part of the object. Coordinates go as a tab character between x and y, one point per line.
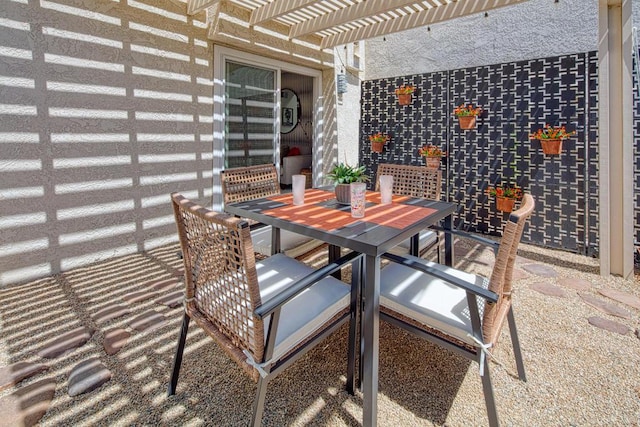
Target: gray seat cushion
301	316
429	300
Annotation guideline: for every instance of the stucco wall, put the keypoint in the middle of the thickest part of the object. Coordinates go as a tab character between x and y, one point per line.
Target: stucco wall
533	29
348	107
105	108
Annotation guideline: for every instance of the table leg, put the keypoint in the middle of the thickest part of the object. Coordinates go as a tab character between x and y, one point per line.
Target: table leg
334	254
354	351
275	240
448	241
415	245
371	331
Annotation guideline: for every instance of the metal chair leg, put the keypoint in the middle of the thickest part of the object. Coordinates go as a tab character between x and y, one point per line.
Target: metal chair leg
177	359
490	402
515	342
258	403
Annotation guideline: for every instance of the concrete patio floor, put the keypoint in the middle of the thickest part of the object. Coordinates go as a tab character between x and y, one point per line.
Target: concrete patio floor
121	318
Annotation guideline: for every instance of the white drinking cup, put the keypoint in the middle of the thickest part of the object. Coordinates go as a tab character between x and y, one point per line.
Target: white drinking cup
298	182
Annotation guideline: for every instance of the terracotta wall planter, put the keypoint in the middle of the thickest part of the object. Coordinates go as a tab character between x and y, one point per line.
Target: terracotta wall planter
551	146
467	122
433	162
505	204
377	147
404	99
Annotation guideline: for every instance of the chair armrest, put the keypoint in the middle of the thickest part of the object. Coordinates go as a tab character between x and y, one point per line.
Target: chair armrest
483	240
423	267
291	291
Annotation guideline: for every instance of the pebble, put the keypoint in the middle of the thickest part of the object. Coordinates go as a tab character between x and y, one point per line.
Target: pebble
27	405
139	296
110	312
548	289
575	283
605	307
13	374
165	285
148	321
87	376
519	274
609	325
540	270
66	342
171	300
623	297
115	340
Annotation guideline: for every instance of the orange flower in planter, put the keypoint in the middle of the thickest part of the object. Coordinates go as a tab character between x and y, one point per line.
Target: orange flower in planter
377	141
506	196
467	110
507	191
405	90
551	138
551	132
431	151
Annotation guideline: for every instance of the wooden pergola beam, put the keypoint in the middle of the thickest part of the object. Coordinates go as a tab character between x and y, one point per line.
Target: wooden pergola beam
417	19
195	6
276	9
346	15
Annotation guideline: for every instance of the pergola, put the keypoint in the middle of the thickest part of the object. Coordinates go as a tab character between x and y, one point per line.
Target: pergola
307	30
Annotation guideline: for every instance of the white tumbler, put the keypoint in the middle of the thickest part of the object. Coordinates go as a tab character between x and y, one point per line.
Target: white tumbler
386	188
299	182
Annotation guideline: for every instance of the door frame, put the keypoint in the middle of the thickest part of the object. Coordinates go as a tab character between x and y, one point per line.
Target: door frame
222	54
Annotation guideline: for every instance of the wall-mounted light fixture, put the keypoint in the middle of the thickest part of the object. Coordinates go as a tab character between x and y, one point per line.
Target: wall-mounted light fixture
341	83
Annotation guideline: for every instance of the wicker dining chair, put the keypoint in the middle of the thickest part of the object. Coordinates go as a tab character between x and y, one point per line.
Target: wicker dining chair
255	182
460	311
414	181
263	314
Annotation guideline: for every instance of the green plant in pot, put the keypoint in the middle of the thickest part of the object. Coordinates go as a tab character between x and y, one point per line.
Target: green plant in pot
342	175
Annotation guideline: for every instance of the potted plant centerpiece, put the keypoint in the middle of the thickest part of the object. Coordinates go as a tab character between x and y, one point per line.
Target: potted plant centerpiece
377	141
551	138
404	94
467	115
342	175
432	155
506	196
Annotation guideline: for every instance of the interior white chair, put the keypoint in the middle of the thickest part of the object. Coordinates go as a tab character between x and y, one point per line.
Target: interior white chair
460	311
264	314
413	181
254	182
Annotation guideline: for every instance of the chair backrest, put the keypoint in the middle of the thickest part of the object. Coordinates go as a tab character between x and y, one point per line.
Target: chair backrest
220	278
251	182
502	276
413	181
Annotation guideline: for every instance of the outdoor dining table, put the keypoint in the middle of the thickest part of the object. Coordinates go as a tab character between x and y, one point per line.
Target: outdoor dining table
383	227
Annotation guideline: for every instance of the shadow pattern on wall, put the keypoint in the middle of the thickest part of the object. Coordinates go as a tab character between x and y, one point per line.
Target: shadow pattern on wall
105	111
517	99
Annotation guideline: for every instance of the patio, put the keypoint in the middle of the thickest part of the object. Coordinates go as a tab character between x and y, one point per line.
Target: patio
578	373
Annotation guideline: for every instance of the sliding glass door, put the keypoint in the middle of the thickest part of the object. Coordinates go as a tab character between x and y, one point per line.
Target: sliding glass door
250	120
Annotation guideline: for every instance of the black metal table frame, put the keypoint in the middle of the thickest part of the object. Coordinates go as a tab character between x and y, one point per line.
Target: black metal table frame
371	240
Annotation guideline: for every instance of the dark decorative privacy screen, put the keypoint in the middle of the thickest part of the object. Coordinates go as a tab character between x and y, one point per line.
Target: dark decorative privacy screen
517	99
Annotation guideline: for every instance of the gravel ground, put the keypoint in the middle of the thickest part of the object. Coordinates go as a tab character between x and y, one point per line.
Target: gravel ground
577	374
